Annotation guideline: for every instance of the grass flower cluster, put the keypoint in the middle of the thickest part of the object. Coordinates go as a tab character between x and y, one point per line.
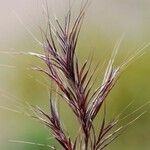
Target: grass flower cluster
75	86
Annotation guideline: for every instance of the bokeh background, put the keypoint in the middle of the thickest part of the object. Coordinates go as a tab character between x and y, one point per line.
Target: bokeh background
105	22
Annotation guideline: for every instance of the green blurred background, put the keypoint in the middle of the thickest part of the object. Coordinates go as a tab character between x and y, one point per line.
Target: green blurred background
105	22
